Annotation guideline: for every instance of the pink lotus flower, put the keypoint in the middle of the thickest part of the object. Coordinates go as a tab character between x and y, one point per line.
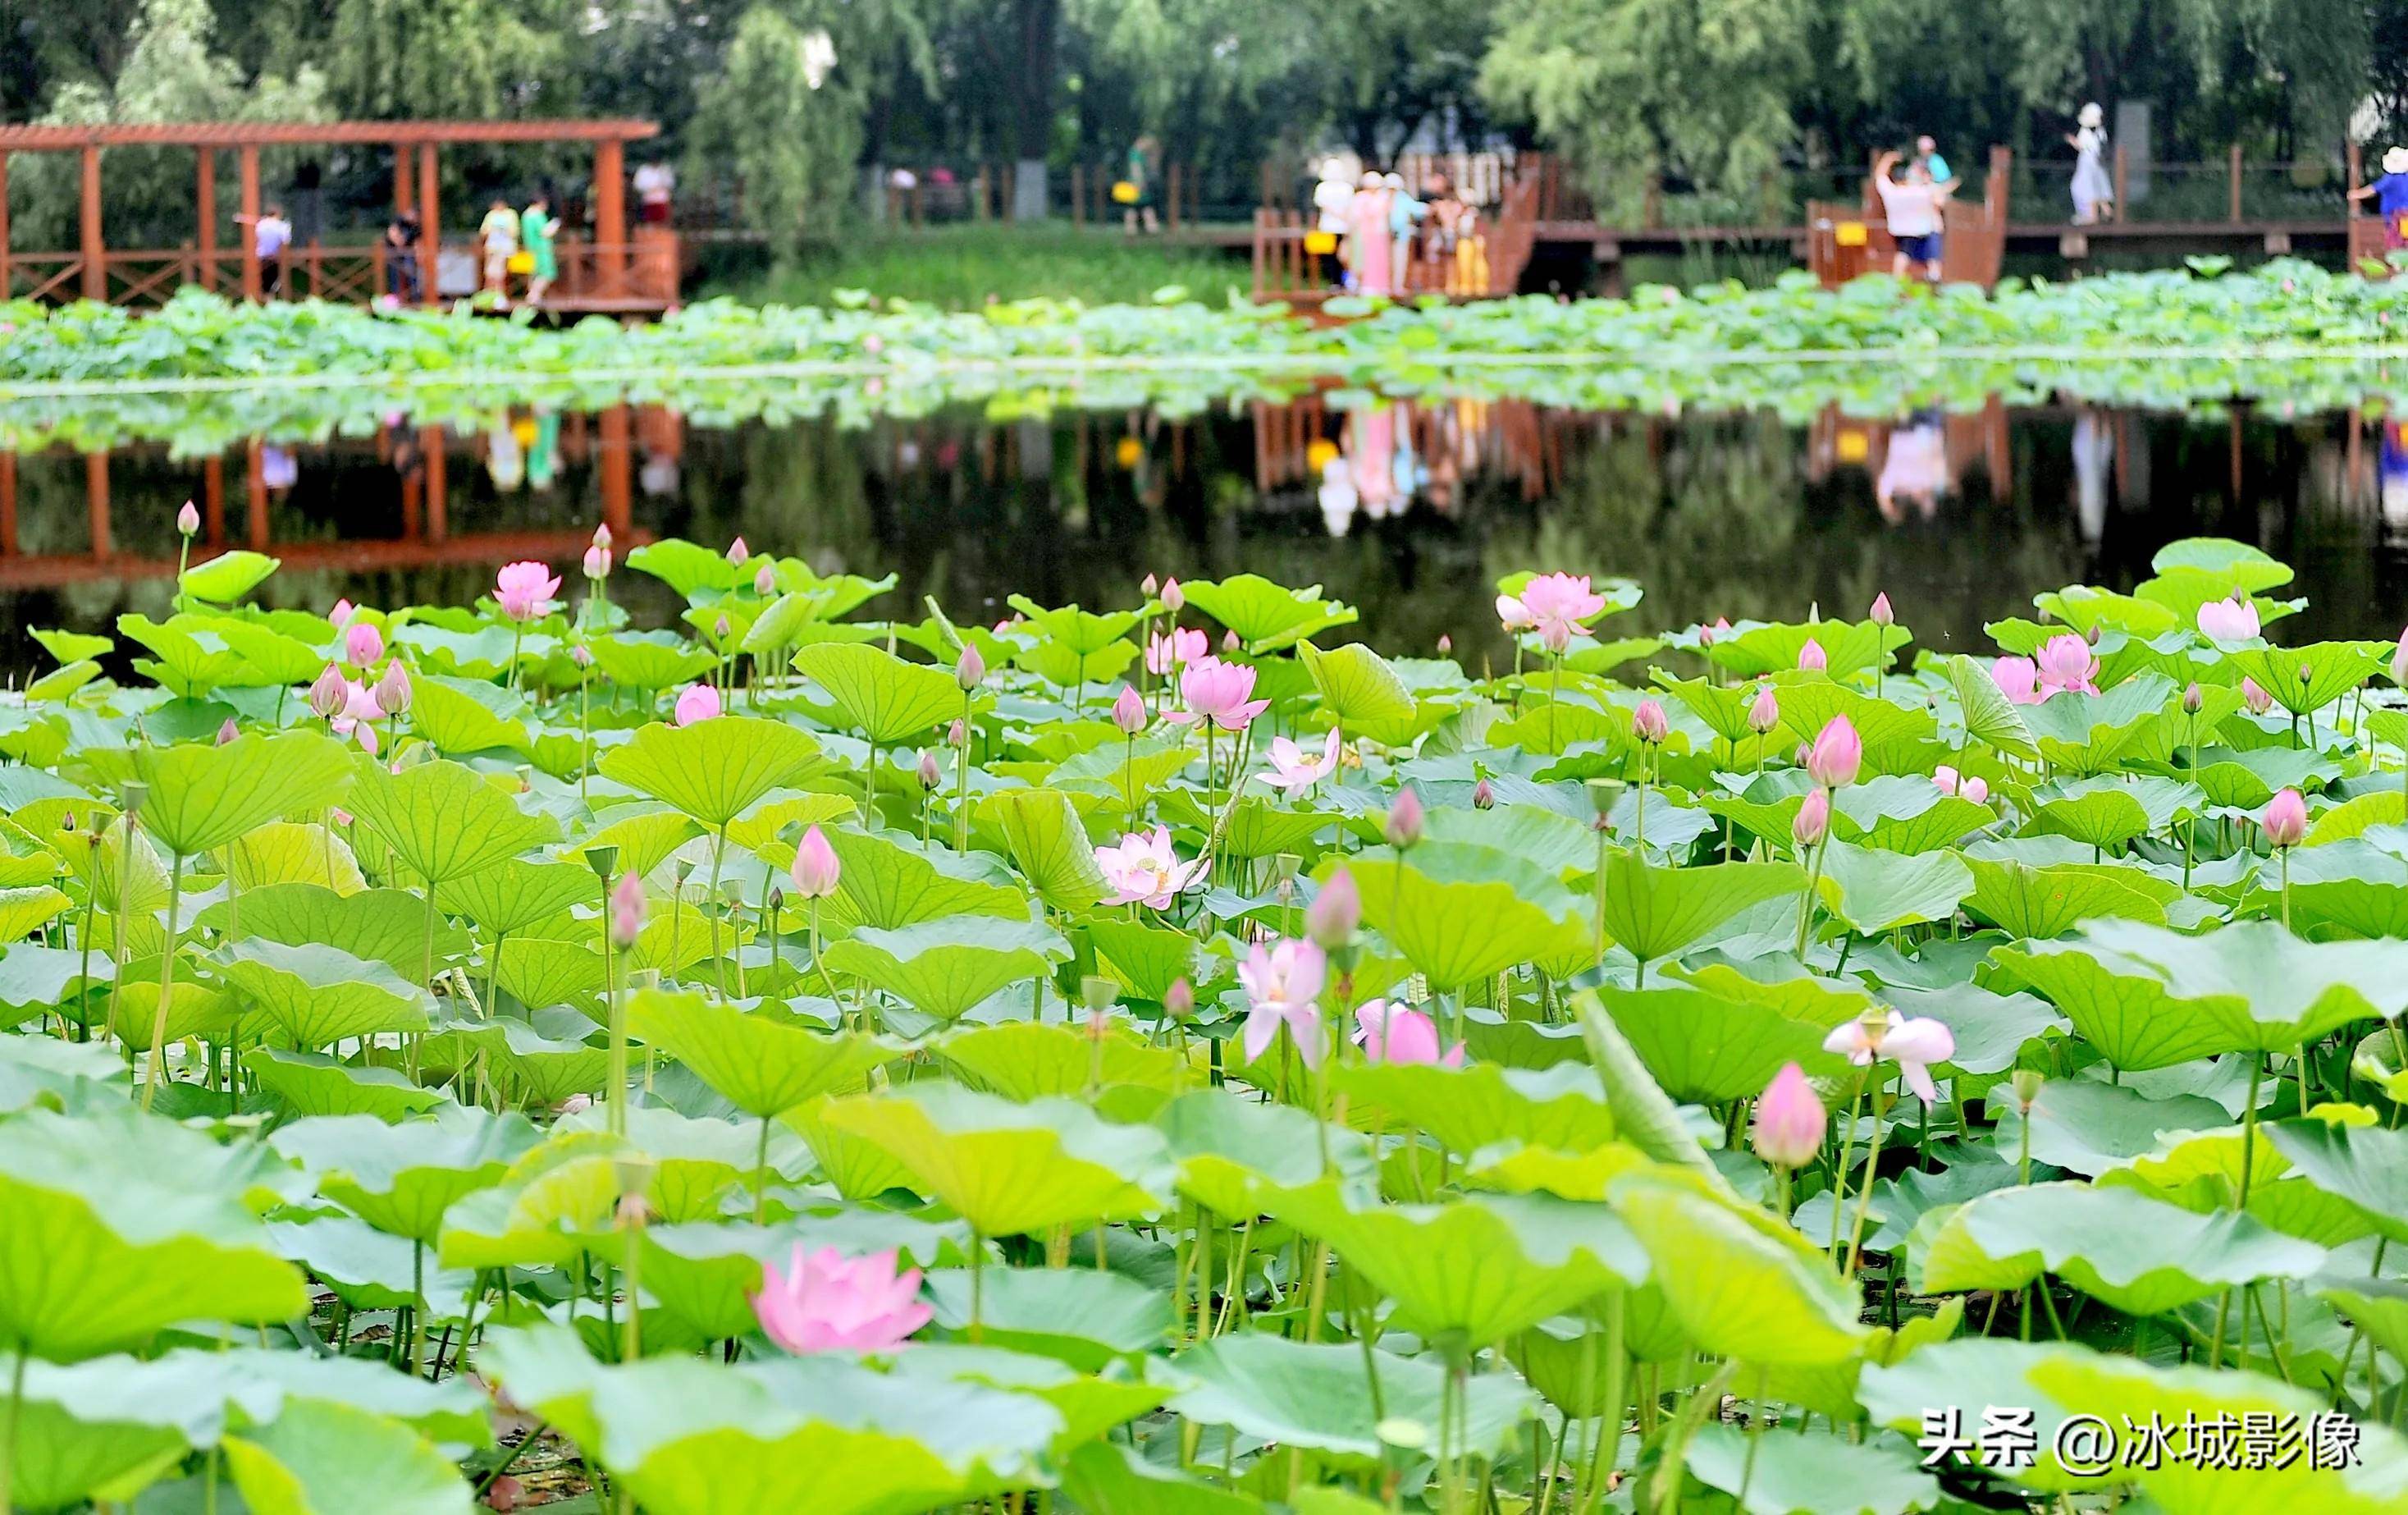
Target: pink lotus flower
738	553
1393	1033
2400	661
1128	712
931	775
188	520
597	562
816	869
1949	780
1881	614
969	668
1174	599
363	644
2255	696
764	580
394	692
2228	620
1764	711
698	702
1283	984
1334	913
1836	756
341	614
1216	691
327	695
1813	659
2286	819
524	590
1648	722
1914	1043
1790	1120
2067	663
1295	768
1403	827
360	712
1141	869
1554	605
826	1302
2018	679
1813	821
602	535
627	910
1165	653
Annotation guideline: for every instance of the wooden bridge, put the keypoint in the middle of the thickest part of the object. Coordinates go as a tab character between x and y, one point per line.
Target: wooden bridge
609	272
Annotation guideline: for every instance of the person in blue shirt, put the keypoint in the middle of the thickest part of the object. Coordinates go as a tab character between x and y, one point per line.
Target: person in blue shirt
2391	196
1926	153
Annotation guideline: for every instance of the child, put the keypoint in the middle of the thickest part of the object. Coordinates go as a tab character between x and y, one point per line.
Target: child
498	234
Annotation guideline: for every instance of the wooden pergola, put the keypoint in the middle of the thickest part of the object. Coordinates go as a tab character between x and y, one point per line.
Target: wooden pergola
609	273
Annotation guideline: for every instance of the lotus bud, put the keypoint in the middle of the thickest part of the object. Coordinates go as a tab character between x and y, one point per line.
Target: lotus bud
627	910
816	869
2307	675
188	520
2400	661
1447	644
1404	825
764	580
1649	722
738	553
1813	821
1706	636
1229	642
720	629
1881	614
958	734
363	644
341	614
970	670
393	690
2258	701
1179	1001
597	563
1764	712
1483	797
2024	1083
67	822
1334	913
1837	754
2192	699
929	776
1174	599
775	902
1128	712
330	694
696	702
602	535
581	655
2286	819
1149	587
1790	1120
227	732
1813	659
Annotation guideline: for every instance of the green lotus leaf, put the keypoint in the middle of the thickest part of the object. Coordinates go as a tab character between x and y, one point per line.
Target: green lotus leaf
694	1160
2366	1166
203	796
1144	959
539	972
888	882
459	716
1076	1316
1359	691
384	926
2049	900
857	1168
1655	913
1484	1267
2089	1128
2121	1247
690	1437
1752	648
712	771
762	1064
114	1227
2349	888
1741	1282
365	1268
293	852
645	836
880	695
40	1070
516	894
2083	733
2247	780
401	1178
102	1430
189	656
1007	1168
1990	716
1822	1474
548	1205
942	968
315	996
227	577
1267	616
1468	1108
1024	1060
319	1458
705	1274
1462	913
311	1084
650	662
2106	813
1232	1153
1048	847
1109	1480
1704	1049
2331	669
1875	892
444	821
1318	1397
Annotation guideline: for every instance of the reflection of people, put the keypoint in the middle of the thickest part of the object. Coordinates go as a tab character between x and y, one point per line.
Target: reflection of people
658	477
1911	203
2392	469
1338	495
505	458
2094	455
2391	196
1917	469
2093	193
544	449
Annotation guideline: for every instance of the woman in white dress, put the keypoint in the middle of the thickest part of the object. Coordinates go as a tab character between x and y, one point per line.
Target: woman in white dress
2093	193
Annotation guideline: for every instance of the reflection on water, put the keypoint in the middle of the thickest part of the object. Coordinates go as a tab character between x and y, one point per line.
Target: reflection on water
1410	509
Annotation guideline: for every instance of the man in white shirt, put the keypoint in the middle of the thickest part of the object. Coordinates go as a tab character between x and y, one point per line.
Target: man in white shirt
1911	202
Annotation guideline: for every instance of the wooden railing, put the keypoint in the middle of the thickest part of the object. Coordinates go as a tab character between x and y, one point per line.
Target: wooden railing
1845	240
1485	263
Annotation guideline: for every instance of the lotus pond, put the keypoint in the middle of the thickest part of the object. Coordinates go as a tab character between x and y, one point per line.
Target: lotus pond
811	1051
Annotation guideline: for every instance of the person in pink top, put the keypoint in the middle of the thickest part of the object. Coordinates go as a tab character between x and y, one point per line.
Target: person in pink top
1373	246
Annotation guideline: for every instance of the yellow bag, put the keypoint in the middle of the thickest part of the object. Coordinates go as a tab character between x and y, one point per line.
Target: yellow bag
1320	243
1125	193
522	262
1849	234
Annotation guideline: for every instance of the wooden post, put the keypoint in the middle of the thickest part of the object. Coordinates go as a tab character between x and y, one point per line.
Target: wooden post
2357	167
2232	178
213	502
255	496
1170	200
1078	194
403	195
95	256
95	496
7	504
206	198
247	228
609	215
438	497
1262	230
430	223
5	269
2123	211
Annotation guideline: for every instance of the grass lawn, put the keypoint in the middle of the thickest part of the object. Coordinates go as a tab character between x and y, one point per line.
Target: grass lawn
961	267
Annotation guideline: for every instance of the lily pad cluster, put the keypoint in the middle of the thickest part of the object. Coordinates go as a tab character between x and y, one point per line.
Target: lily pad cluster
204	372
830	1055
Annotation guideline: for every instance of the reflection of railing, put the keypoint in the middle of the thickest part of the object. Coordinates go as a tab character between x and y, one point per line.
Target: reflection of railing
1450	442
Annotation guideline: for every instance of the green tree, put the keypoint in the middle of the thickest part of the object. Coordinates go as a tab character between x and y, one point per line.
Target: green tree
784	115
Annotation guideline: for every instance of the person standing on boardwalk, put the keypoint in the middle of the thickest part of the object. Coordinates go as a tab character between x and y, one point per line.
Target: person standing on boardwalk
537	226
1912	204
2093	193
2391	197
1373	244
656	181
270	235
497	239
1139	213
401	258
1333	202
1926	153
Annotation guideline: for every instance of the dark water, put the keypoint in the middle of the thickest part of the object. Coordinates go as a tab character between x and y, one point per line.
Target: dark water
1960	521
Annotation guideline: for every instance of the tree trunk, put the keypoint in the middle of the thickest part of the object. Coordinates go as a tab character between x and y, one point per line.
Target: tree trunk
1039	25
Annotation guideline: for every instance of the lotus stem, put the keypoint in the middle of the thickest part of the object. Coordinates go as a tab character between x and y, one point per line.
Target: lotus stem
166	978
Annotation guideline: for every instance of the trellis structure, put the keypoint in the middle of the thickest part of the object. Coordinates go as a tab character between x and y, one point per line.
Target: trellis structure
611	273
